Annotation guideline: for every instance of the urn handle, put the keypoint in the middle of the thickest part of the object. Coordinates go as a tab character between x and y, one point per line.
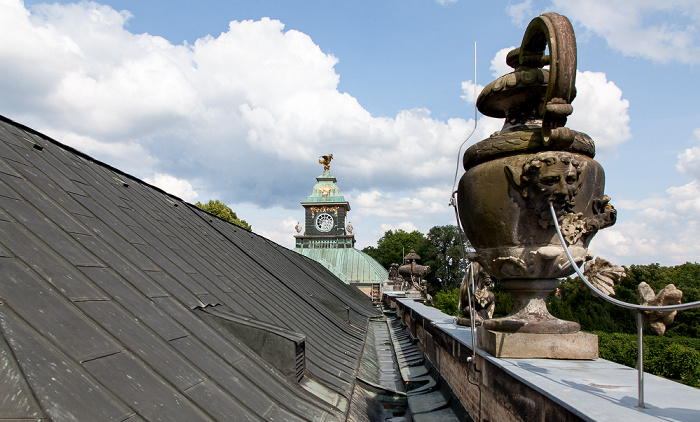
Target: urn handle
554	31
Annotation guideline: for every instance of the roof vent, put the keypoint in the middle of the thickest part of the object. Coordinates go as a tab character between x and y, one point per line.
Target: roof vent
283	349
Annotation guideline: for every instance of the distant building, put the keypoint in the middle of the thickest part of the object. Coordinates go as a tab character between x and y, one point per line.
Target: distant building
329	238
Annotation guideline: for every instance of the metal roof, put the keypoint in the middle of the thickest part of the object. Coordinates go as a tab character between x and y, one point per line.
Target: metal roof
121	302
348	264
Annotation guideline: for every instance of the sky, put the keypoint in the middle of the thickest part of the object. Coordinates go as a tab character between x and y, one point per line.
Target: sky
236	100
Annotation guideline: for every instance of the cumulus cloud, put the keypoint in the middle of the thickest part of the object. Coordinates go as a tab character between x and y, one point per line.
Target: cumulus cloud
381	204
281	231
520	13
132	157
672	34
663	229
471	91
600	111
256	91
689	160
498	63
171	184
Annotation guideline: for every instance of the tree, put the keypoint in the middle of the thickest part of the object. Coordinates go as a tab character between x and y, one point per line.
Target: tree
222	211
440	250
574	302
445	256
394	245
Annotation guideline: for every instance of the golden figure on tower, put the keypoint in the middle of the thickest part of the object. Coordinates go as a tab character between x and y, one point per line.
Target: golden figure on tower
326	161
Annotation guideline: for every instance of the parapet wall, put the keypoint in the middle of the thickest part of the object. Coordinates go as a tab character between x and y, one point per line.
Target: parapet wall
503	390
487	392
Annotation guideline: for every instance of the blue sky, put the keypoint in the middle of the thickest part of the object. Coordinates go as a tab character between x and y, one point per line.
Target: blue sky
236	100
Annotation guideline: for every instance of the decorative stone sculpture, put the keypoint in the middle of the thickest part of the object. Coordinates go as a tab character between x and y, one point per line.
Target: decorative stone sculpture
512	177
603	275
413	273
669	295
484	299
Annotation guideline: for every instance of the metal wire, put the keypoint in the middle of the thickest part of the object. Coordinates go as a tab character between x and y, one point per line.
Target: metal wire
639	308
679	307
459	151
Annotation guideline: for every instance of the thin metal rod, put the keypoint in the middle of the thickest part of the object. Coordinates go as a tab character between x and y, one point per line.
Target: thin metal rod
639	308
640	359
470	285
679	307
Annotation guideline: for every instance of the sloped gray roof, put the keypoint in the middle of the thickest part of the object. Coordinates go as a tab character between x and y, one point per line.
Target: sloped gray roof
121	302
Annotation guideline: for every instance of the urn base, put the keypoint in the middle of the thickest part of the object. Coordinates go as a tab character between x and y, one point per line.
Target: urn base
530	314
538	346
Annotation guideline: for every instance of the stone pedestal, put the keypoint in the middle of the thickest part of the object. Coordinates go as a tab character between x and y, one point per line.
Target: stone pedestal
548	346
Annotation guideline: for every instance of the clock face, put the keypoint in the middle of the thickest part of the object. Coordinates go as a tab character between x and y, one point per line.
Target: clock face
324	222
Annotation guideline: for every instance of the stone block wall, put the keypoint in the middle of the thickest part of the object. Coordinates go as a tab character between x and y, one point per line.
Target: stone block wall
486	391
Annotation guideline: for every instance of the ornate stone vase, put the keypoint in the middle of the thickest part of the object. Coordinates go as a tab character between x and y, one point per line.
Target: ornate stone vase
512	177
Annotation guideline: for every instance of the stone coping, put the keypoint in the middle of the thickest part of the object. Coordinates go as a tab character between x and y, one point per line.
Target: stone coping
595	390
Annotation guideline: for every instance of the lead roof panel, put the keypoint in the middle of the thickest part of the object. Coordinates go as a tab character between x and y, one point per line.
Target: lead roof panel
102	274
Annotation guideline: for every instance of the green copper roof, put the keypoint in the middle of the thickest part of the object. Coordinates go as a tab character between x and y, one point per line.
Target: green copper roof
325	190
348	264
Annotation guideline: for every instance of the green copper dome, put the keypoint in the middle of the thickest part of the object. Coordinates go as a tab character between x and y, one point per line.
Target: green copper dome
349	265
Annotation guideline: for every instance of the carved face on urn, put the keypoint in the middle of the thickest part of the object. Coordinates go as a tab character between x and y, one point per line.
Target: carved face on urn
548	177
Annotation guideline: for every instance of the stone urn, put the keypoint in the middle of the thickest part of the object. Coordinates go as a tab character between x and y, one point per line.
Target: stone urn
512	177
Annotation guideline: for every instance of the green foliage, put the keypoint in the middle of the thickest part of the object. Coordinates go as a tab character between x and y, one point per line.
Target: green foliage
447	301
222	211
503	300
676	358
440	250
394	245
685	277
444	256
575	303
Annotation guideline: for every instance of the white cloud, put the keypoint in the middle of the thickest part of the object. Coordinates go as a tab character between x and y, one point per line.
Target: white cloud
471	91
600	111
520	13
171	184
132	157
498	63
387	205
279	231
256	91
689	160
654	230
663	31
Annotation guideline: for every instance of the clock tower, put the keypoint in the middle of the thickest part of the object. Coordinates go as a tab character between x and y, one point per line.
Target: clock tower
328	238
325	225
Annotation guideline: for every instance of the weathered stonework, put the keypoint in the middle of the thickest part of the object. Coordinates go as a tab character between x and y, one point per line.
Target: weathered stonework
542	346
486	391
513	177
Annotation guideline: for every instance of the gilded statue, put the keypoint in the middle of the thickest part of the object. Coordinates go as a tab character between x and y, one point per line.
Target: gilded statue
326	161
